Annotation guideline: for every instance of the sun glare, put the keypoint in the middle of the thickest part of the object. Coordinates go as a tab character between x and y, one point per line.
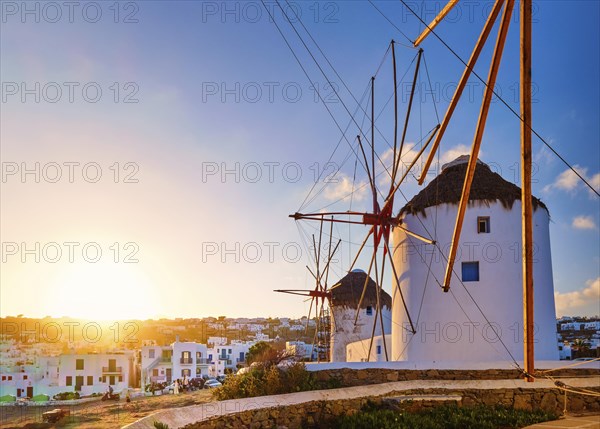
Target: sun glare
103	292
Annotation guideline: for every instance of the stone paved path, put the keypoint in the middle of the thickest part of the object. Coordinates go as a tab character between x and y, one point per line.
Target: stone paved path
587	422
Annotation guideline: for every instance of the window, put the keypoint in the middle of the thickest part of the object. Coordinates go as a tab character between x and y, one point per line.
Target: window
112	365
90	380
198	355
79	364
369	310
69	380
378	350
151	353
4	378
229	351
111	379
185	372
470	271
24	377
155	372
10	377
483	225
120	378
78	382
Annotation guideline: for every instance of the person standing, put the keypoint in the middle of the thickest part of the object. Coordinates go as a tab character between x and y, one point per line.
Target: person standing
176	387
186	383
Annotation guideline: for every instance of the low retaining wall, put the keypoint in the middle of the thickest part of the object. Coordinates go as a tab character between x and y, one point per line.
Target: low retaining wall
346	377
316	413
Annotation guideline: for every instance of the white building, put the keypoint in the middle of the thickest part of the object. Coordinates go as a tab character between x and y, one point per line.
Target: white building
301	350
83	373
216	341
565	351
359	350
166	363
229	356
344	304
592	326
487	273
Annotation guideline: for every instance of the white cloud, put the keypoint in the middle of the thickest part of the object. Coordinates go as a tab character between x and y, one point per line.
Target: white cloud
569	181
571	302
409	152
544	155
341	188
595	182
584	222
456	151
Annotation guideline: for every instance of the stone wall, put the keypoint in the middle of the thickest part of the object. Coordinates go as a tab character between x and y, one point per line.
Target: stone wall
359	377
316	413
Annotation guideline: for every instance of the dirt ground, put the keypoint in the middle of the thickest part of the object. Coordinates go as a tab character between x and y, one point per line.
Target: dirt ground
97	414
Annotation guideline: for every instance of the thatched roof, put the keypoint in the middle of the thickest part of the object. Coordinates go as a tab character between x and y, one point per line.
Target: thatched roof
446	188
347	291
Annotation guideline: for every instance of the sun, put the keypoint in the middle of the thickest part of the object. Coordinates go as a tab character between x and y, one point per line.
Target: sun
103	292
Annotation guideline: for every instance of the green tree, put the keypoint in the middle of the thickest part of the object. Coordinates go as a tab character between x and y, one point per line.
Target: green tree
259	352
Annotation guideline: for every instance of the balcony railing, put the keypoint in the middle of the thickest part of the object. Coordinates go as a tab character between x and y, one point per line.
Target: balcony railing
226	357
112	369
186	361
202	361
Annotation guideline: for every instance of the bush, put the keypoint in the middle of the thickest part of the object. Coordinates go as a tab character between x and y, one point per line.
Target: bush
63	396
443	417
161	425
262	380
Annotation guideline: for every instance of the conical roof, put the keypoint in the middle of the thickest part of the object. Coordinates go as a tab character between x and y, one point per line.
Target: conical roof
446	188
347	291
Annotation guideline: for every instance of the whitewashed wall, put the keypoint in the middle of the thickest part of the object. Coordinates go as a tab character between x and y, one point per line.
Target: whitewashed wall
444	332
344	331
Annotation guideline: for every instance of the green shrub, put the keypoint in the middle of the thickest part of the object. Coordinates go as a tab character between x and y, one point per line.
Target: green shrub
443	417
161	425
64	396
265	380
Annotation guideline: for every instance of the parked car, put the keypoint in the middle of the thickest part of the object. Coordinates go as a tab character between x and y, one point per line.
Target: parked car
212	383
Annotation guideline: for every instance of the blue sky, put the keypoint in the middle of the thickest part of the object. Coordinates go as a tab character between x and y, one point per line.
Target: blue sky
214	87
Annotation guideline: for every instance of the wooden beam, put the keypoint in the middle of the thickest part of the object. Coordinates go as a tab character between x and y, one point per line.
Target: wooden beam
526	209
485	107
461	85
397	281
395	114
415	235
395	188
435	22
408	109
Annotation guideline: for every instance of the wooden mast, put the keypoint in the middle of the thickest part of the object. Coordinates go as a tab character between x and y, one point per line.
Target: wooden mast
526	209
485	106
461	86
435	22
